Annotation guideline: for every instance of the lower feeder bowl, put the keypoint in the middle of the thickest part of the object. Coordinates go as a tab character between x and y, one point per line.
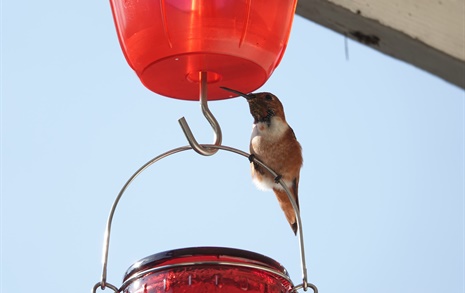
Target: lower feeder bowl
206	269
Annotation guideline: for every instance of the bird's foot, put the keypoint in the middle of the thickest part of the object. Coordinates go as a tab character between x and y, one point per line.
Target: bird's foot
277	178
251	158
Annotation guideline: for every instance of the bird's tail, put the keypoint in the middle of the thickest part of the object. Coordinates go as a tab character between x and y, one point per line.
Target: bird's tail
287	208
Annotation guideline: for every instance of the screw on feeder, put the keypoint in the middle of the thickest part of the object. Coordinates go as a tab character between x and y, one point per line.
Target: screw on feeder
206	112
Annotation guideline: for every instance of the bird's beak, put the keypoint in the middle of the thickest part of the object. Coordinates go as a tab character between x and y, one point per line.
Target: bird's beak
248	97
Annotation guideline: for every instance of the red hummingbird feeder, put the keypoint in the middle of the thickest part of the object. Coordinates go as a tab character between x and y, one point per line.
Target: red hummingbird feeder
168	43
177	47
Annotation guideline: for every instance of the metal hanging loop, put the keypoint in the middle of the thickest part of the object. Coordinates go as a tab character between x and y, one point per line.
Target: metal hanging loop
106	243
201	149
104	286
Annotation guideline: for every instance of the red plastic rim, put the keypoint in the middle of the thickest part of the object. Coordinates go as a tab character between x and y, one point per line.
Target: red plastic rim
207	269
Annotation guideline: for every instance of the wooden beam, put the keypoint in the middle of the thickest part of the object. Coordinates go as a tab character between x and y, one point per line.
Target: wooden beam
429	35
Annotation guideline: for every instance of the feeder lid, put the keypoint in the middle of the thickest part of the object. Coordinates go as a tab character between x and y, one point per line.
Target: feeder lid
219	253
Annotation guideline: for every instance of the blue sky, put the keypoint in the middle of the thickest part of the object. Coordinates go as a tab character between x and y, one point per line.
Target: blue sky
381	192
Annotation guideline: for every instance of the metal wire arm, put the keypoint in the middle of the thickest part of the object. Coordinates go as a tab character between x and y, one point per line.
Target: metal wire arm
106	243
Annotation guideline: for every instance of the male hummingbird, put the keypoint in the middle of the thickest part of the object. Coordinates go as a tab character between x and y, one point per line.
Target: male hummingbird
273	142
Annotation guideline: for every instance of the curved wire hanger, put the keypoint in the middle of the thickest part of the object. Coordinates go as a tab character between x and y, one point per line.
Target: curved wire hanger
206	150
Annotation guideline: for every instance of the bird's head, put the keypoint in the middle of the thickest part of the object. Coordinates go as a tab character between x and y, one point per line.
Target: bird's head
263	106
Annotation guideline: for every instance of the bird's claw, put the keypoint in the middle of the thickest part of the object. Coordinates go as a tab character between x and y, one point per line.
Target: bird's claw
277	178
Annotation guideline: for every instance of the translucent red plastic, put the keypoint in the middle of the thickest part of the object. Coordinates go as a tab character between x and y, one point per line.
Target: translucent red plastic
168	43
201	278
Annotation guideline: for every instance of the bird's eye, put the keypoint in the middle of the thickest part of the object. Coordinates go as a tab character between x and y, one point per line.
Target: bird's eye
268	97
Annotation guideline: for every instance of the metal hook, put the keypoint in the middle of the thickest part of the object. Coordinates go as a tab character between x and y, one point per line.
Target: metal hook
205	151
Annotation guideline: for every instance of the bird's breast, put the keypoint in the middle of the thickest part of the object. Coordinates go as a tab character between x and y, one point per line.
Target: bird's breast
275	145
268	141
272	131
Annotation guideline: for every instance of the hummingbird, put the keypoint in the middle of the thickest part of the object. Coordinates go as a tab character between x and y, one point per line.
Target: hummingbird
274	143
